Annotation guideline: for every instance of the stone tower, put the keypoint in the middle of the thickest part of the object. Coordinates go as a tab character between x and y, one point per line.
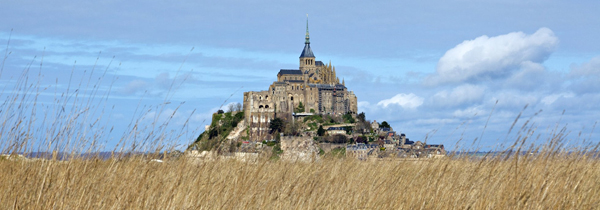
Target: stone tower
307	58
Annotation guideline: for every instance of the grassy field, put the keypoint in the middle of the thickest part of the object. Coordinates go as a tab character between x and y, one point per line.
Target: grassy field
543	181
548	178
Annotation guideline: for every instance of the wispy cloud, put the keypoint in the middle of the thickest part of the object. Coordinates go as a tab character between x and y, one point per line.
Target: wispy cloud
406	101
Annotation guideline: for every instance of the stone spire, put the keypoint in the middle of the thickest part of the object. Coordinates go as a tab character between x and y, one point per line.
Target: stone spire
307	52
307	36
333	72
343	82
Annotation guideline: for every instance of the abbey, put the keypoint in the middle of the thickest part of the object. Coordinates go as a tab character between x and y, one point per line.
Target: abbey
313	88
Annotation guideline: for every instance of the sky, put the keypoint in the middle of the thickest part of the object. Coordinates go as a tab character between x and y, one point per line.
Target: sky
444	72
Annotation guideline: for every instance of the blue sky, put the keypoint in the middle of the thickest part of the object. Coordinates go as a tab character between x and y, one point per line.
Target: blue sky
433	69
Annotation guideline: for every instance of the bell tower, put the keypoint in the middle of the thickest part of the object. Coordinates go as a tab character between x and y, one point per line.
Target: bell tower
307	58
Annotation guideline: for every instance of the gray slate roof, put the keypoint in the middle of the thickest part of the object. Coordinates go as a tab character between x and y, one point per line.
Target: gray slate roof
289	71
307	52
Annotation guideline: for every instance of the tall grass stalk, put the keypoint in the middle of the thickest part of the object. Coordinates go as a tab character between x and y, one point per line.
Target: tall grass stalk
546	180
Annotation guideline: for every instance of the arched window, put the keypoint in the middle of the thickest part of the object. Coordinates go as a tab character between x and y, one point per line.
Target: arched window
267	106
266	97
292	98
260	107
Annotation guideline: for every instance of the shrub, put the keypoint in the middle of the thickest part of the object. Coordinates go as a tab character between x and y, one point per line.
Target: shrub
321	131
300	108
348	118
276	125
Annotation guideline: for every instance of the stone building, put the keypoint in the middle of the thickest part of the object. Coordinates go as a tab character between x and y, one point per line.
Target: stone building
312	88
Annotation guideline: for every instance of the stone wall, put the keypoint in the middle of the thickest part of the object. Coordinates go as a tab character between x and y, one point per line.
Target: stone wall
327	147
297	148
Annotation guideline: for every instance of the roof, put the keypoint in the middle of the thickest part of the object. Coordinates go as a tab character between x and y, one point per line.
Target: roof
296	81
328	86
289	71
319	63
359	146
307	52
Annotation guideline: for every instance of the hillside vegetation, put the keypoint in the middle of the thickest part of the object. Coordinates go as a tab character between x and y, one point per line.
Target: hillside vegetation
214	138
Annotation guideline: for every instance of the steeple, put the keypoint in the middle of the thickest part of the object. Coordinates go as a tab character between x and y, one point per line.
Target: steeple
307	37
307	52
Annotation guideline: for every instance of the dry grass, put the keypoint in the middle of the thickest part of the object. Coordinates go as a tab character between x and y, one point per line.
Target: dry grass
554	181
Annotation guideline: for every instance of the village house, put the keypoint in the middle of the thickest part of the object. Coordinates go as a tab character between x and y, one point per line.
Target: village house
336	130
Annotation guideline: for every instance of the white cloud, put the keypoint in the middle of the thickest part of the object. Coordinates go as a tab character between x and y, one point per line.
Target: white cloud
363	105
406	101
514	99
591	68
460	95
468	112
135	86
530	76
488	57
585	78
434	121
552	98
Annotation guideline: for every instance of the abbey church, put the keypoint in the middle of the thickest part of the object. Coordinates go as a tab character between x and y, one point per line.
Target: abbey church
313	88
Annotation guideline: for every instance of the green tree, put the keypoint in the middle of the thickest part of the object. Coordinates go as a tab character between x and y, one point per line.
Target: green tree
361	139
276	125
348	130
300	108
361	117
348	118
291	129
384	124
321	131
